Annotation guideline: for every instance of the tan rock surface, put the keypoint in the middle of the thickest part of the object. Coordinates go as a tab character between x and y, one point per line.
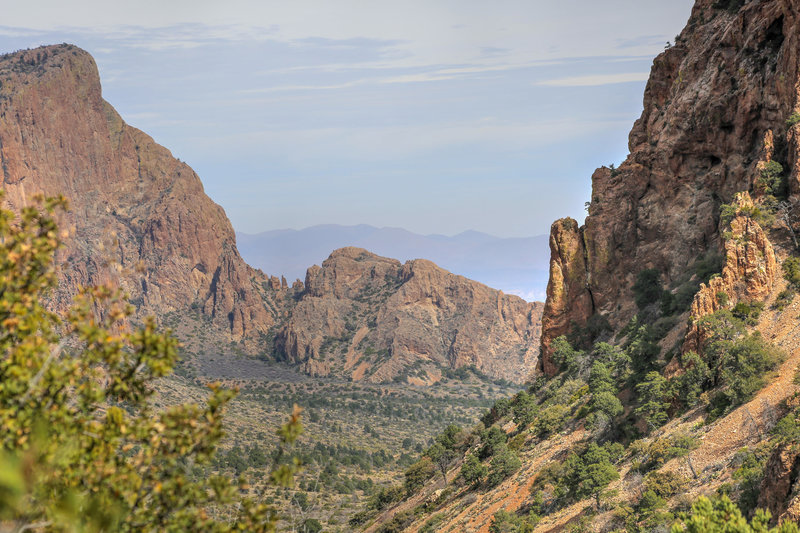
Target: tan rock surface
748	275
569	300
370	317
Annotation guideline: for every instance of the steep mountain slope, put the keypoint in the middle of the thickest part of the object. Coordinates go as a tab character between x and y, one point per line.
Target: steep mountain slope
369	317
715	108
139	219
514	265
692	389
131	202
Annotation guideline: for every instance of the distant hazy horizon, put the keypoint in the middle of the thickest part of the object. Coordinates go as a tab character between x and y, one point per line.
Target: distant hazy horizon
432	116
514	265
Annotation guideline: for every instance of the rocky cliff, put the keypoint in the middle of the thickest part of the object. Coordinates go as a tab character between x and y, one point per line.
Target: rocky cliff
716	108
369	317
139	219
133	205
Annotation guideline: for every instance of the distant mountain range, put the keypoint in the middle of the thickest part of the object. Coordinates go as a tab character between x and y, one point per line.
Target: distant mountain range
514	265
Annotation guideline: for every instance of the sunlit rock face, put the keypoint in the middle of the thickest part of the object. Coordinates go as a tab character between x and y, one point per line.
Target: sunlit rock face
716	101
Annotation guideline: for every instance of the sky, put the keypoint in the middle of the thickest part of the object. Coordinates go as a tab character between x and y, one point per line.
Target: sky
437	116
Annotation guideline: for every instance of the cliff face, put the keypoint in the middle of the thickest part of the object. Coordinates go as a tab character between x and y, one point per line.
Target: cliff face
748	275
140	220
132	203
368	317
715	108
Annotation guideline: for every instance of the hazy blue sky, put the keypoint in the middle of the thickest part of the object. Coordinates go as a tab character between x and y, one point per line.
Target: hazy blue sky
435	116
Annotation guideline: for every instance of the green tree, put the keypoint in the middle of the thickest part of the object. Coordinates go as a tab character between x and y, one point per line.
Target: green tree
772	179
598	472
606	403
82	445
565	356
791	271
473	470
647	289
721	515
417	474
441	457
601	379
652	394
501	466
525	409
493	440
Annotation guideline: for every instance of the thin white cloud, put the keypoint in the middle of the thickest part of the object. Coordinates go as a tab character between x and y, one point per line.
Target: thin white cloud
596	80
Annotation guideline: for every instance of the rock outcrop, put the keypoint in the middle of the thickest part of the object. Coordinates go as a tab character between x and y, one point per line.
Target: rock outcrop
748	275
139	219
369	317
569	299
715	101
778	492
132	203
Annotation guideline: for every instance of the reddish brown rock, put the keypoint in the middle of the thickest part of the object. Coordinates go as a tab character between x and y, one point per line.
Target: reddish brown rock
779	484
729	83
141	220
749	273
569	300
132	203
369	317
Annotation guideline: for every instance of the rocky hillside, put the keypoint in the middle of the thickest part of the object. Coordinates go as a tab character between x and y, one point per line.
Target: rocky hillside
131	202
139	219
715	111
670	347
369	317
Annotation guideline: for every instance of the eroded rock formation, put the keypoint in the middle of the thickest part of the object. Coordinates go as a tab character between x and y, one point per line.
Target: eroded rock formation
711	100
748	275
370	317
139	219
132	203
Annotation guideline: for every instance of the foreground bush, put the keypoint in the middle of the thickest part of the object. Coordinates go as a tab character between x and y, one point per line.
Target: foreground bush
82	448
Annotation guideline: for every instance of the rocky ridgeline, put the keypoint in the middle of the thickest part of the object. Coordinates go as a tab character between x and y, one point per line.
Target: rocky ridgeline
139	218
715	109
369	317
131	202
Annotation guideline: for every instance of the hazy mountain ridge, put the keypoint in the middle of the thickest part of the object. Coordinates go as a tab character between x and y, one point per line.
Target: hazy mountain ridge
514	265
140	219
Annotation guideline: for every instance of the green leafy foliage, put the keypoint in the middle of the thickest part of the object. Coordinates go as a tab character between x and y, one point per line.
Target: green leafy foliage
738	361
83	447
652	394
749	474
502	465
791	271
648	288
721	515
587	474
473	471
505	522
649	455
773	181
417	474
493	440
